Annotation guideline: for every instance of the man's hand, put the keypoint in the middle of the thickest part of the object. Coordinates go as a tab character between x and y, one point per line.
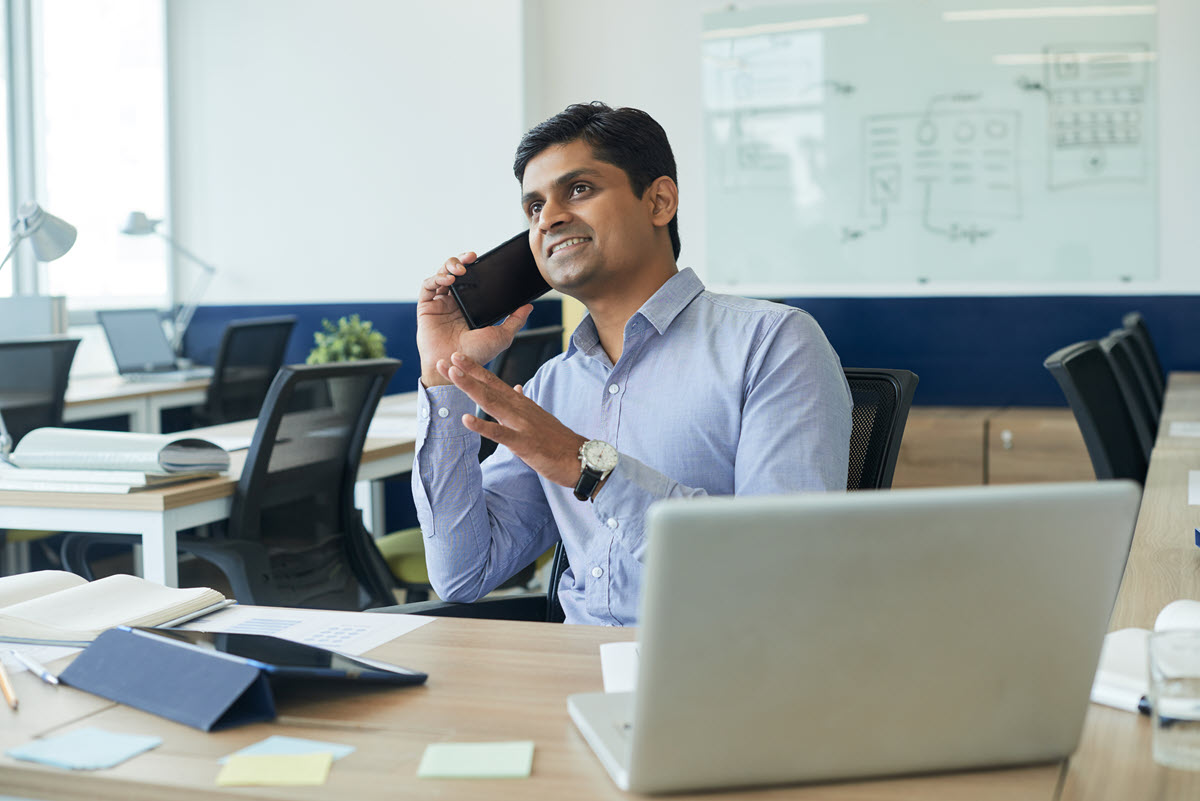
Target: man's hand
442	330
534	435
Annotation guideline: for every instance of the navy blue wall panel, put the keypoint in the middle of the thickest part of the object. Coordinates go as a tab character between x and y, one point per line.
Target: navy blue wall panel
988	351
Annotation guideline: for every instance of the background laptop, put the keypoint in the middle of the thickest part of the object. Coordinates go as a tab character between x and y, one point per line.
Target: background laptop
140	348
814	637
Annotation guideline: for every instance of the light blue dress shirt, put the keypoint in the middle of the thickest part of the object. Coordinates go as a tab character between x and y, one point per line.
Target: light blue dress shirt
712	395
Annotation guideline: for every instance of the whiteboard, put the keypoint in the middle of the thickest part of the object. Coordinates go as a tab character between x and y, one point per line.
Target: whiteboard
930	141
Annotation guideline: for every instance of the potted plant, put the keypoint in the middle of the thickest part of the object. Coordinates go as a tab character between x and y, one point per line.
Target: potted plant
348	341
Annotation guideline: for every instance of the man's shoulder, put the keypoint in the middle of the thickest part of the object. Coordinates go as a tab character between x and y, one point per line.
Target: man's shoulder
743	309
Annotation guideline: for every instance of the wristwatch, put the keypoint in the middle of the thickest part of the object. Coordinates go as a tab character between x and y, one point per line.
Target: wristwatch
597	459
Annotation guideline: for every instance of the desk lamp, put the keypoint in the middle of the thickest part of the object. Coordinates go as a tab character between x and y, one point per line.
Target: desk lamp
50	237
138	224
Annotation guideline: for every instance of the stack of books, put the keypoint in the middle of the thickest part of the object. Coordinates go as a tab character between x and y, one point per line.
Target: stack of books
117	462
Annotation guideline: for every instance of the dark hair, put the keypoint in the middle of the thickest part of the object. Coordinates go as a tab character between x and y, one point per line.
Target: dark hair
624	137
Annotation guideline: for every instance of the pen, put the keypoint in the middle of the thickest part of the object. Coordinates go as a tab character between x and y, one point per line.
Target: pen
35	667
10	695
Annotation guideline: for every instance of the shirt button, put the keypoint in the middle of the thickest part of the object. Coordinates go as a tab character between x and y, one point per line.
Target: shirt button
613	389
424	411
597	572
443	412
611	522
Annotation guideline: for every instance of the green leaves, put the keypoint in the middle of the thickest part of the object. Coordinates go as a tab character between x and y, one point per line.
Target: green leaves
348	341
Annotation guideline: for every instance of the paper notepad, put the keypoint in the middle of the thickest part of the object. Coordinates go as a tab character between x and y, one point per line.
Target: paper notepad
275	770
85	749
1182	428
477	760
278	744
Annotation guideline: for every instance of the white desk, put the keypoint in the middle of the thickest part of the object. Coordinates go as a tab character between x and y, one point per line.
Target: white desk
157	515
109	396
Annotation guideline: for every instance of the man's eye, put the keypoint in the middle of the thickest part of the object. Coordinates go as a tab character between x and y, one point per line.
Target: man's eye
535	209
579	189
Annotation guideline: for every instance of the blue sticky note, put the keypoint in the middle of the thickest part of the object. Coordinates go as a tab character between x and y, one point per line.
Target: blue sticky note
278	744
85	749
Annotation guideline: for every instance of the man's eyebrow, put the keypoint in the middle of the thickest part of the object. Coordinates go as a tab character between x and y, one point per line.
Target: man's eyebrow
565	178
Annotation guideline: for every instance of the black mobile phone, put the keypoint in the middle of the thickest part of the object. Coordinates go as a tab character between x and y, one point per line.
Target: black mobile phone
499	282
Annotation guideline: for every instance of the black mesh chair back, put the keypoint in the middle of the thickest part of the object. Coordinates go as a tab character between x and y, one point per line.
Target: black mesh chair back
530	349
1148	358
294	537
33	383
250	354
1086	378
881	400
1132	380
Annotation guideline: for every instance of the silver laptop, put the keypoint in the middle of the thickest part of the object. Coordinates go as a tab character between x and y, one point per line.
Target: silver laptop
140	348
816	637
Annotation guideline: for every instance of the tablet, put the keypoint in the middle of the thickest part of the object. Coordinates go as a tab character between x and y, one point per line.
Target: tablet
292	660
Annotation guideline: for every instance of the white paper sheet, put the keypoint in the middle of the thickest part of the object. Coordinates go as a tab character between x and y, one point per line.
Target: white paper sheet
1181	428
352	633
619	666
232	442
1194	488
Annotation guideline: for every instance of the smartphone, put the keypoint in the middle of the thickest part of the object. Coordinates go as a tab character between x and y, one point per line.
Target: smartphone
499	282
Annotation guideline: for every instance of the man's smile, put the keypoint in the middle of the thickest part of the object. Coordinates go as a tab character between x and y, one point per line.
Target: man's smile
567	244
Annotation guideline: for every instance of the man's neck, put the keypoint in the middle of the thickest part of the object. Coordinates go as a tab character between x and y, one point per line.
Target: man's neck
610	314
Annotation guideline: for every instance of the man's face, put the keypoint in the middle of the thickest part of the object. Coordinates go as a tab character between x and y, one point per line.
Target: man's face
587	228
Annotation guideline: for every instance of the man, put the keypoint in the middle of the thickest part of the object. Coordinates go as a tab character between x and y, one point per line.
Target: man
666	390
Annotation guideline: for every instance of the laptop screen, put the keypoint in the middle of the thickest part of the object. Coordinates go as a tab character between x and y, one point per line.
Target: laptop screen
137	340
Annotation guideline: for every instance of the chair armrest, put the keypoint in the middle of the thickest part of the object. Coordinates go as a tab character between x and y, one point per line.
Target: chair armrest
531	606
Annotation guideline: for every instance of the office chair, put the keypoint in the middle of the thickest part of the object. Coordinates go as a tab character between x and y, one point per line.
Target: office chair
249	356
1134	323
294	537
881	398
1132	379
404	550
33	386
1086	377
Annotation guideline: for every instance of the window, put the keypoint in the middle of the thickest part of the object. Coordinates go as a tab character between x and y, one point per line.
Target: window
99	133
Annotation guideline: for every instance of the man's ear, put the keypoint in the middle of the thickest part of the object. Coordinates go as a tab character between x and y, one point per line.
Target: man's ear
662	200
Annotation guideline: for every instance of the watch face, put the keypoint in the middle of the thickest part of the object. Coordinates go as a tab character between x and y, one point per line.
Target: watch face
599	455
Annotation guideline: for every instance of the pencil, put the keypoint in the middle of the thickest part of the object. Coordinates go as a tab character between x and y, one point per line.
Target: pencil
10	695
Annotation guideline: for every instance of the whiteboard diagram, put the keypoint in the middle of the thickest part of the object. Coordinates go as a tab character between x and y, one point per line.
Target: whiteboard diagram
931	141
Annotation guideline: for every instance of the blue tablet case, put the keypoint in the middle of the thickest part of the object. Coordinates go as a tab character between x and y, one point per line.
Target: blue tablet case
204	689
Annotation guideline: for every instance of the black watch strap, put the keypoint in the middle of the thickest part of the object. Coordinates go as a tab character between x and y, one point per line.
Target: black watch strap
589	479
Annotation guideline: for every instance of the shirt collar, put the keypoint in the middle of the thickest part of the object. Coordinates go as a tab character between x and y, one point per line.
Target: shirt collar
660	310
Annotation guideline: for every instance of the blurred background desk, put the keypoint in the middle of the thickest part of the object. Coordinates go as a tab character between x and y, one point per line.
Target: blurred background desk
157	515
142	402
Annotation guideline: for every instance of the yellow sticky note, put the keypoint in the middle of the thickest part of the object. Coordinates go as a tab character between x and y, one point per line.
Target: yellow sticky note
282	770
477	760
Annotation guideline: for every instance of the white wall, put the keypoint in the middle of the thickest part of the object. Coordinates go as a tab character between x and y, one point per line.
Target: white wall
341	150
292	115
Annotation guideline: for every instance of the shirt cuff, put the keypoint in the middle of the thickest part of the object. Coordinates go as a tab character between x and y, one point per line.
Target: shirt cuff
440	410
621	503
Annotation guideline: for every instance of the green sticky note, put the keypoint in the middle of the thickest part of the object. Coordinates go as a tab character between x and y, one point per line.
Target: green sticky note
477	760
279	770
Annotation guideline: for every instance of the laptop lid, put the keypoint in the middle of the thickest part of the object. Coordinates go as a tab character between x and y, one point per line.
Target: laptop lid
137	340
813	637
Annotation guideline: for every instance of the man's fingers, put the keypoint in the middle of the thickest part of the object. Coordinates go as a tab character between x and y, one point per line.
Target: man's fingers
516	321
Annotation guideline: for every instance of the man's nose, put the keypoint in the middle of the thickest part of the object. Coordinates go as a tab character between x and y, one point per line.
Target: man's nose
553	215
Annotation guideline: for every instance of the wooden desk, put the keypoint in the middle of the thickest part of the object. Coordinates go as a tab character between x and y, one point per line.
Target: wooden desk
1113	760
143	402
488	681
157	515
1181	405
